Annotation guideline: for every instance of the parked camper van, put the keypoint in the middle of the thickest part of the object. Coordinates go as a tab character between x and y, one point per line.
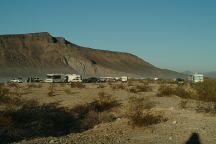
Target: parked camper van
195	78
55	78
72	78
124	78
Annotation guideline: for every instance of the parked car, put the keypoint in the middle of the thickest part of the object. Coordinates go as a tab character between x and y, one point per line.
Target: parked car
91	80
180	80
15	80
34	79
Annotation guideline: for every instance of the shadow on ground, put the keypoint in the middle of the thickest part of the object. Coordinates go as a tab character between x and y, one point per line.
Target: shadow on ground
194	139
35	120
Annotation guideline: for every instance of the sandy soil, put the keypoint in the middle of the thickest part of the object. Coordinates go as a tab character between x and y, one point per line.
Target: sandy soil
180	125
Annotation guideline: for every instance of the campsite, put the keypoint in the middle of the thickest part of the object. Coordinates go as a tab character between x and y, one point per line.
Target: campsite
136	111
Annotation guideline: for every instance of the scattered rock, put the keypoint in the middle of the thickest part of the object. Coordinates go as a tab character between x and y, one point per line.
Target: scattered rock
52	141
174	122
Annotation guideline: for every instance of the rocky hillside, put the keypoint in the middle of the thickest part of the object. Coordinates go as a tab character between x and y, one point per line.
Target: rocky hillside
41	53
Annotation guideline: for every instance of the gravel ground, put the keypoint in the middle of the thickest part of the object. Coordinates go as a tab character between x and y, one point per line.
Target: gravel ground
180	124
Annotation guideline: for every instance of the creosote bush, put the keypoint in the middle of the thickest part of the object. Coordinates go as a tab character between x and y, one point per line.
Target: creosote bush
32	85
183	103
139	113
4	93
165	91
206	107
13	85
118	86
30	119
101	86
206	96
206	90
180	91
77	85
51	90
140	88
98	111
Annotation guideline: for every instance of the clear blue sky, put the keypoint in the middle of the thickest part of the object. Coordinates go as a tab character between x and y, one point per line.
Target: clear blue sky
174	34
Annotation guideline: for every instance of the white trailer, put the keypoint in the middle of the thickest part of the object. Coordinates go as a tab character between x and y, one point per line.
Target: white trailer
55	78
124	78
195	78
73	78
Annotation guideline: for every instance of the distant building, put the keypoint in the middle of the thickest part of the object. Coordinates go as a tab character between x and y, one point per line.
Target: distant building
195	78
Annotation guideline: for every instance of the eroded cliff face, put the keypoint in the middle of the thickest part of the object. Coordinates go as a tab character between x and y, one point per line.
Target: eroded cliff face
41	53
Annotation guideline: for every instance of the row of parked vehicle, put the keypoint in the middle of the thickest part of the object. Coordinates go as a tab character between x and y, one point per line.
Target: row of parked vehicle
69	78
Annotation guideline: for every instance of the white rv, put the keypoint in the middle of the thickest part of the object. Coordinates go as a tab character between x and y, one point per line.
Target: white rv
124	78
73	78
195	78
55	78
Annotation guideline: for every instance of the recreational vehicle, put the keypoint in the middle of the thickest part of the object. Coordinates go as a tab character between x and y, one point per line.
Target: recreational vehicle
195	78
107	79
72	78
55	78
124	78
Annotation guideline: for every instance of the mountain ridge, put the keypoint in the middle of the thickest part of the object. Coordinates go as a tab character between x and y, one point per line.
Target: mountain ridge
41	53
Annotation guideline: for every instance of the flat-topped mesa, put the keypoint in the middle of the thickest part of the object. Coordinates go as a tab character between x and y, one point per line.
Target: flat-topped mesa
41	53
59	40
40	36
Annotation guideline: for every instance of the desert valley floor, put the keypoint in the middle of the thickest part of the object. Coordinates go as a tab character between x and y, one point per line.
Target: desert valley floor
179	119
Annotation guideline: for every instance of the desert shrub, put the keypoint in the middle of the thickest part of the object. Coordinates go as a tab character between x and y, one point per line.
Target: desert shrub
206	107
206	90
144	82
101	86
77	85
110	83
30	119
182	92
140	88
118	86
34	120
104	102
183	103
51	90
178	91
89	120
206	96
144	88
98	111
132	90
147	119
139	113
4	94
31	85
29	103
165	90
7	100
13	85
